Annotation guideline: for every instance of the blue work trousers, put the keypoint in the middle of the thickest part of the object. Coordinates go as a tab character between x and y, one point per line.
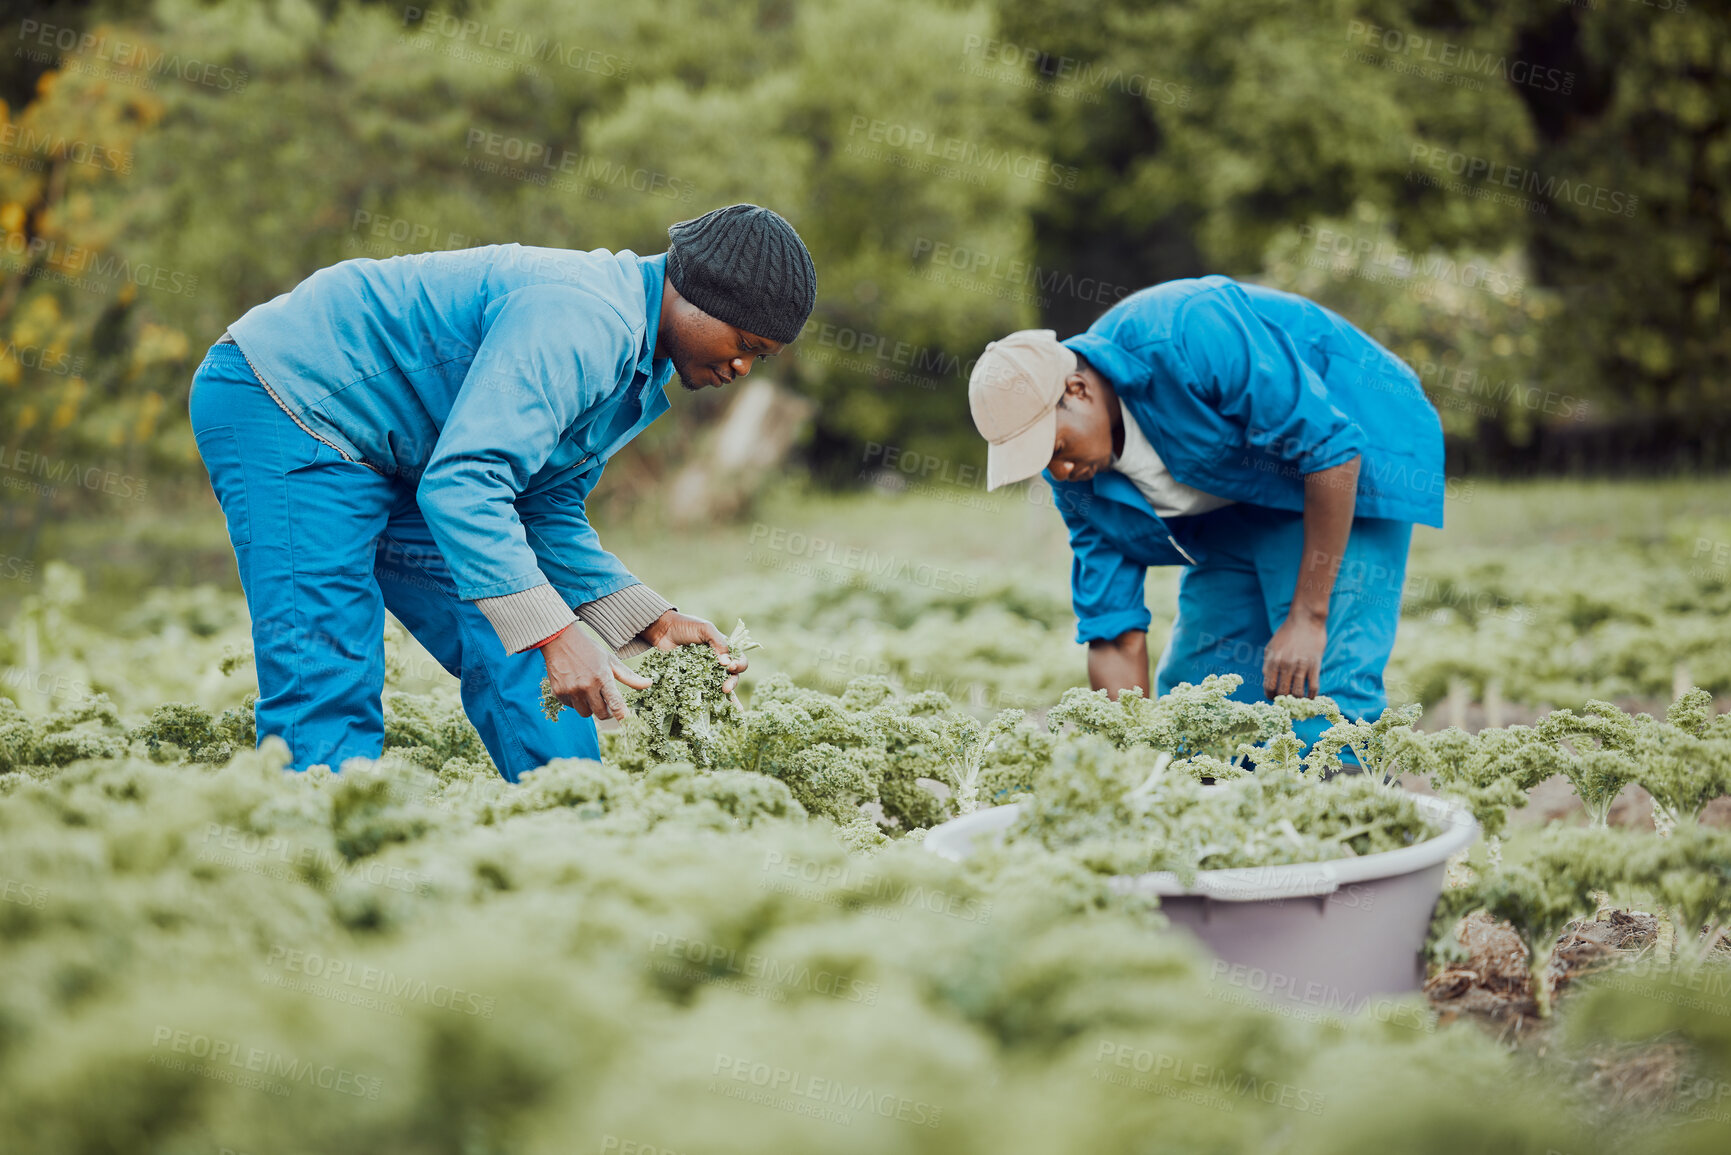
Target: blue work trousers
325	546
1230	605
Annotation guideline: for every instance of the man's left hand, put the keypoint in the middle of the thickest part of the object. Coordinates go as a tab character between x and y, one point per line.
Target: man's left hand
1292	663
676	629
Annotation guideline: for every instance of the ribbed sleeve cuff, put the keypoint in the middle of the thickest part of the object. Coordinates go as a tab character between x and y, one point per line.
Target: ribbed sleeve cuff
527	616
622	615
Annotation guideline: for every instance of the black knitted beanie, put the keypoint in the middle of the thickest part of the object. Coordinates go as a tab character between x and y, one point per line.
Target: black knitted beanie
744	265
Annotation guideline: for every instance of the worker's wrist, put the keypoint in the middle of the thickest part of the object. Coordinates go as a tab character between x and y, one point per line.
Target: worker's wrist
652	632
1308	614
523	617
550	637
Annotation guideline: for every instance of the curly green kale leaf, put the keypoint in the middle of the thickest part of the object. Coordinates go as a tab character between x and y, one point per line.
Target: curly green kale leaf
1597	772
1190	719
91	729
1490	771
1375	744
1005	761
1132	811
431	729
1684	762
682	715
1690	874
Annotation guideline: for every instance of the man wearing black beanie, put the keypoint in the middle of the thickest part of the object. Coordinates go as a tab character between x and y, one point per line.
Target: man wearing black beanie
420	434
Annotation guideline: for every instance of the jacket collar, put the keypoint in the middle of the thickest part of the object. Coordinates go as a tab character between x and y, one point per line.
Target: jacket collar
1125	370
654	273
1108	484
1114	486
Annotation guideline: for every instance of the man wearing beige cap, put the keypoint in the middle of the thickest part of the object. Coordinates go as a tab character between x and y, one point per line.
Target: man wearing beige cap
1251	436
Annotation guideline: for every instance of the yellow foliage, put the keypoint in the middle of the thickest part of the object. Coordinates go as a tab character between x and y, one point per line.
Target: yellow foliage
148	410
37	320
79	209
157	343
67	411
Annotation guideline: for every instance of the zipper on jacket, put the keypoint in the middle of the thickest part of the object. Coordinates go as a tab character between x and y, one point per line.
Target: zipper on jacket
1180	549
292	415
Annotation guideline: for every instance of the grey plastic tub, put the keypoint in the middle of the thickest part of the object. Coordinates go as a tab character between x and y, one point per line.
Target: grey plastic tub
1330	934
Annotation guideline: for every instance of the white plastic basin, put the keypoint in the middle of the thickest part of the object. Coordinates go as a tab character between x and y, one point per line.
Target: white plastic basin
1331	933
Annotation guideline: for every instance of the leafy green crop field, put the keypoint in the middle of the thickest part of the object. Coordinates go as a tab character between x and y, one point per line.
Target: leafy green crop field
707	944
1543	595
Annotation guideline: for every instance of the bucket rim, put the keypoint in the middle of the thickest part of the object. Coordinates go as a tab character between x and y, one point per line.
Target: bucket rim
955	840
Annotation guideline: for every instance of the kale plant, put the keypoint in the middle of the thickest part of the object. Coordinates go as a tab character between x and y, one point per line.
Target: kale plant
1571	867
1004	763
1539	897
1490	772
90	729
1374	744
1597	772
1127	812
1684	762
1690	873
682	714
1201	719
827	754
189	729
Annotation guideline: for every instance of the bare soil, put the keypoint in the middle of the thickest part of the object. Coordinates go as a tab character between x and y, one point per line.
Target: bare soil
1493	983
1613	1085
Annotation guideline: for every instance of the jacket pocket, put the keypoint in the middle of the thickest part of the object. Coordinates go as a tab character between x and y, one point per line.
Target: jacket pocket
337	509
220	448
1138	537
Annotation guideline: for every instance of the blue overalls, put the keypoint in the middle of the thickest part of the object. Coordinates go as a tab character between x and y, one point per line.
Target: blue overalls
437	424
1242	391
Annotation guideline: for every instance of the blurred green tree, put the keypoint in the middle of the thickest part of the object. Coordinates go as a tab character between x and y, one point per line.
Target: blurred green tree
958	169
1374	153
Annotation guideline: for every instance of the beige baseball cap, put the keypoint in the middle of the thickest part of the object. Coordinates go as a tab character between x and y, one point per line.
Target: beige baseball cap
1014	392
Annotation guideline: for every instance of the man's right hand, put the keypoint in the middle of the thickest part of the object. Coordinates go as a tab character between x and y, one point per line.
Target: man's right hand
582	675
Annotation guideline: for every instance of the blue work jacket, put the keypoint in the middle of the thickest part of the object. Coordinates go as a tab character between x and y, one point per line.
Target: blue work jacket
496	380
1242	391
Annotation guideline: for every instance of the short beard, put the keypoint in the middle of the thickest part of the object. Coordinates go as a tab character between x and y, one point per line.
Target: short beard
684	378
